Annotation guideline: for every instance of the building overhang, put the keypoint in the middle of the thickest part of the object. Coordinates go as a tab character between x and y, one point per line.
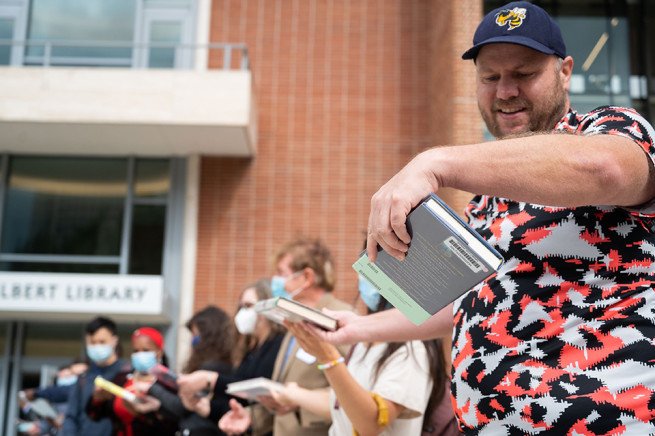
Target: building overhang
87	111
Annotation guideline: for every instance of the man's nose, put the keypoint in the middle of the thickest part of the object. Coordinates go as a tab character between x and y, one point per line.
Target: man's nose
507	88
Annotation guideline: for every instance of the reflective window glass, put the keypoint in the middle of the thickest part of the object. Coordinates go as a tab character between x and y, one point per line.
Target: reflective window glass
147	244
152	179
68	206
82	20
601	70
7	33
164	32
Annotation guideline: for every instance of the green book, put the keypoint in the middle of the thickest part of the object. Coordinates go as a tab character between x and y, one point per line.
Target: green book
445	259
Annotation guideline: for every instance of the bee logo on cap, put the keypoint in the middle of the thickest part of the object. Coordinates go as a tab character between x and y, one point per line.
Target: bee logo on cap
513	17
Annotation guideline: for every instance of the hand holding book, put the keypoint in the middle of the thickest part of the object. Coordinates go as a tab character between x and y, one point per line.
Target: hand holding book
323	351
444	259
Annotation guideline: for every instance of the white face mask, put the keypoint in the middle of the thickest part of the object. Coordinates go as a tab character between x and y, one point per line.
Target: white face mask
246	320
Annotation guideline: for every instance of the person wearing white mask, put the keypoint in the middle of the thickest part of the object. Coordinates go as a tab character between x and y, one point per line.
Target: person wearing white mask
304	272
101	343
257	346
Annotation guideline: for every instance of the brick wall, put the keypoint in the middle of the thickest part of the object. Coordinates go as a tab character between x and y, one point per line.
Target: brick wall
347	93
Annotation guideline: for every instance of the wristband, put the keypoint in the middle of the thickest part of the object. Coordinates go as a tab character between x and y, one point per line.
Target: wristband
327	365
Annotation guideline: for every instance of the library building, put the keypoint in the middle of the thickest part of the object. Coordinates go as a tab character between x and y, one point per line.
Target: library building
154	153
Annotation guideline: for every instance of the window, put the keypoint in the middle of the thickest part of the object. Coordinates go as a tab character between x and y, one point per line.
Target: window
85	215
116	33
88	20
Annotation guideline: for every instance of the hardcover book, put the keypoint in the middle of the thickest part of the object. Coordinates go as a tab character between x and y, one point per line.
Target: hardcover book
445	259
279	308
252	388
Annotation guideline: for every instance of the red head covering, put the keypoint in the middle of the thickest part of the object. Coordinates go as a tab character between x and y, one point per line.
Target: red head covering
151	333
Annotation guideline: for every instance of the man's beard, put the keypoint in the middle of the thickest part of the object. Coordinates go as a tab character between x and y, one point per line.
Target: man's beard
542	118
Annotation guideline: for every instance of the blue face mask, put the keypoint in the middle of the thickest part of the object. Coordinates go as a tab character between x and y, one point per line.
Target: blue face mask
370	295
144	361
99	353
66	381
277	286
195	340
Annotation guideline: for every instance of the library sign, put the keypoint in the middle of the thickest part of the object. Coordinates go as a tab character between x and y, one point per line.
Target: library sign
81	293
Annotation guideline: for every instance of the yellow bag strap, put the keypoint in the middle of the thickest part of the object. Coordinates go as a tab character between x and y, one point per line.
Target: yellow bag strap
383	411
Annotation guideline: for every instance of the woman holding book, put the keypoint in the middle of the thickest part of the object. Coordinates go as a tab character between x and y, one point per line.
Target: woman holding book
257	345
383	388
143	417
212	345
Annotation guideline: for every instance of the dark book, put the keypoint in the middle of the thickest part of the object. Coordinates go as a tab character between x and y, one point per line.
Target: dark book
445	259
279	308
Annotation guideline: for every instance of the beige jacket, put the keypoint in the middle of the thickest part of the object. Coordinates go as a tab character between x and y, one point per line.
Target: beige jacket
300	369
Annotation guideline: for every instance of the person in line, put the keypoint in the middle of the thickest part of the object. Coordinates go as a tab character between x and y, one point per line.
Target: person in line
101	349
257	346
384	389
305	273
212	346
560	340
142	418
66	377
56	395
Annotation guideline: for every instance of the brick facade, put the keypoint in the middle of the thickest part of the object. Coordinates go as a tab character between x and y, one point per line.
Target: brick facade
347	93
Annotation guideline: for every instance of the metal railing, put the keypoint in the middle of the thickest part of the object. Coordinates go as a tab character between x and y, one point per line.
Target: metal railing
137	58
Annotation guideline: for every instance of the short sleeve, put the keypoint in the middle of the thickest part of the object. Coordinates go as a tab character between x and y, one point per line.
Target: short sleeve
626	122
405	379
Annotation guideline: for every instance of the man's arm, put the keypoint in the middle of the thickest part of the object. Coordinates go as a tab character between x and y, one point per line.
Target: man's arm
386	326
555	169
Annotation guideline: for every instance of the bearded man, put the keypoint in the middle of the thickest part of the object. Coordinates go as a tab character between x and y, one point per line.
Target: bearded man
561	340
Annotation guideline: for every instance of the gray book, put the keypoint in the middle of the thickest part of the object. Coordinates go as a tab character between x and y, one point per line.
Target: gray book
445	259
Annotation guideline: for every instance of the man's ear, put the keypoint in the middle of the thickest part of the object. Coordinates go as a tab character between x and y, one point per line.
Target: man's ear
566	71
309	275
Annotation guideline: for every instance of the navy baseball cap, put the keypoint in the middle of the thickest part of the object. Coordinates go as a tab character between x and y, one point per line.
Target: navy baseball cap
519	23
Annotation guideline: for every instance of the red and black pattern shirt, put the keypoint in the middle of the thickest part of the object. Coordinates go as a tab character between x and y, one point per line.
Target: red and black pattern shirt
562	340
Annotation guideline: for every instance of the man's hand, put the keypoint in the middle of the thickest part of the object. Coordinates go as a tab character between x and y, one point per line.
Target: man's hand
236	421
393	202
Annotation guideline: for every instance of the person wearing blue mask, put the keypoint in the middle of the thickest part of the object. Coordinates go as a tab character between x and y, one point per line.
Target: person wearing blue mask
379	388
101	348
66	378
145	417
305	272
56	395
211	353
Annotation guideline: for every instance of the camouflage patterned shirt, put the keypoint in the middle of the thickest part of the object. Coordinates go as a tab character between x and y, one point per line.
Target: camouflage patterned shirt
562	340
